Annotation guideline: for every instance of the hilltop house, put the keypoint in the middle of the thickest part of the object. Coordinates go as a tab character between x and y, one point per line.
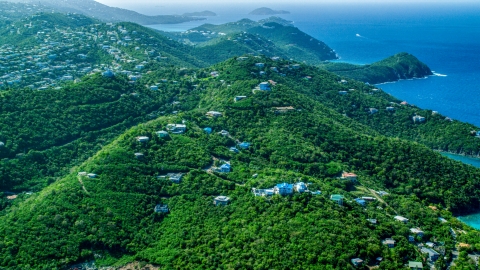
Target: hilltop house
342	93
390	109
382	193
389	242
295	66
244	145
415	265
360	201
283	109
234	149
213	114
372	220
177	128
337	198
161	208
373	110
432	254
357	262
142	139
221	200
401	219
418	119
300	187
260	65
139	155
153	87
223	133
263	192
417	231
225	168
175	177
162	134
349	176
208	130
264	86
283	189
238	98
92	175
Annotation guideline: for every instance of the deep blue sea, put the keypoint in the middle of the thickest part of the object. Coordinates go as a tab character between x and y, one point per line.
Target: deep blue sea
444	36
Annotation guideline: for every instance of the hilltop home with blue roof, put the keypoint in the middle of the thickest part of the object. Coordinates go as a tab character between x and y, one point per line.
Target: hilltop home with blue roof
283	189
360	201
264	86
337	198
225	168
208	130
244	145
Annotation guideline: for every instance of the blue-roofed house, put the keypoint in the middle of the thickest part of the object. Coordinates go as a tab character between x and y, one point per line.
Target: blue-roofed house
208	130
264	86
337	198
161	208
225	168
244	145
360	201
153	87
283	189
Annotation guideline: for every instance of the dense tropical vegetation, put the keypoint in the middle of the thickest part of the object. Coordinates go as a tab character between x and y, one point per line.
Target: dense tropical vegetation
311	126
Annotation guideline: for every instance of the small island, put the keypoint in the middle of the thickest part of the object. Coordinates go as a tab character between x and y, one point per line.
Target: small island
205	13
267	11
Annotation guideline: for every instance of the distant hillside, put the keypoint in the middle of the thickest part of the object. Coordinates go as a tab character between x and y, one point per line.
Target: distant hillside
109	14
393	68
282	37
205	13
267	11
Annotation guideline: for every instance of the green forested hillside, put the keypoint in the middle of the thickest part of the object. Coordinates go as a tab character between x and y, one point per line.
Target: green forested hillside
80	182
110	218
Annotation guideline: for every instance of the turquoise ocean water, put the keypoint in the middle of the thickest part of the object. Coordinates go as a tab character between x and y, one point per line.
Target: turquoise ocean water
444	36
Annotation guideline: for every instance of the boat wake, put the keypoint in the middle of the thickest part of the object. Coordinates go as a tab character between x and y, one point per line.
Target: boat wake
439	75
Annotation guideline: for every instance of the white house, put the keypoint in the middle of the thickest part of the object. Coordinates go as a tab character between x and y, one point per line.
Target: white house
213	114
301	187
418	119
417	231
221	200
401	219
142	139
176	128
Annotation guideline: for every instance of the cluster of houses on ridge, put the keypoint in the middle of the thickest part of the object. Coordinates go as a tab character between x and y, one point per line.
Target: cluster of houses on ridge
61	54
284	189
